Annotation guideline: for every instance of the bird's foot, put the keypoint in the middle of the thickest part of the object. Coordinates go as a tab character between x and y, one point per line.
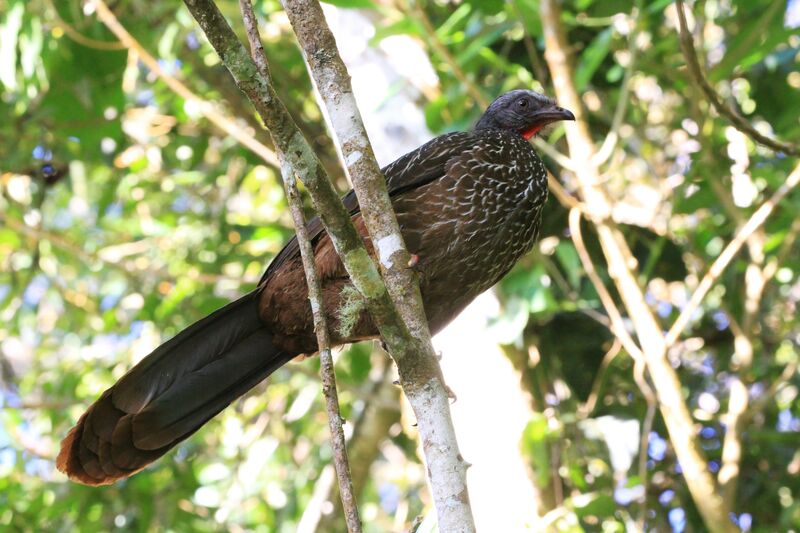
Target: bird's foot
415	264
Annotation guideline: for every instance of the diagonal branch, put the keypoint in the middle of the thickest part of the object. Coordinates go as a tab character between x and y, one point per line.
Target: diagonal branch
620	262
327	372
739	122
422	378
718	266
446	468
208	110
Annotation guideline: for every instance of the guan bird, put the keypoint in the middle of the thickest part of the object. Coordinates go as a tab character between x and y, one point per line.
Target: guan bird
469	206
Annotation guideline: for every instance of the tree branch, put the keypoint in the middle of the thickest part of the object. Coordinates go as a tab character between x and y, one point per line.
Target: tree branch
327	372
620	262
205	107
416	362
739	122
718	266
80	38
447	471
617	326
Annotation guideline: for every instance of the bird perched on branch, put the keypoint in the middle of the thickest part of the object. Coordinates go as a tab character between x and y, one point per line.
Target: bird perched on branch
469	206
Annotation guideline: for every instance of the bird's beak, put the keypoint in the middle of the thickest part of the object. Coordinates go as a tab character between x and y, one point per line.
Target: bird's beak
552	114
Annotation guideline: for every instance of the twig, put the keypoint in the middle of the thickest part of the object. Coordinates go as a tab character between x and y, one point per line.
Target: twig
420	376
327	372
739	122
78	37
775	387
591	402
617	323
423	380
206	108
644	441
620	262
126	267
730	251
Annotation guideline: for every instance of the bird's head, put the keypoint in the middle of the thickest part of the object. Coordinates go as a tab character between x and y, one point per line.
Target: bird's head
525	112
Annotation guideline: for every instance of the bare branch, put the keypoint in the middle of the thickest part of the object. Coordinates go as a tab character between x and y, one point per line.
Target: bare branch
739	122
420	374
617	323
718	266
414	7
209	110
644	441
422	377
588	406
620	262
127	267
327	372
80	38
539	69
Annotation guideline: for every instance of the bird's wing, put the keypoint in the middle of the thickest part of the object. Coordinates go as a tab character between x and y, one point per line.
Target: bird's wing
416	168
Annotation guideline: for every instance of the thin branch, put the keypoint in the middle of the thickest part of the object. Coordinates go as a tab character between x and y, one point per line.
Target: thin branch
78	37
416	361
789	372
718	266
327	372
644	441
617	323
420	375
127	267
591	402
539	68
620	261
739	122
206	108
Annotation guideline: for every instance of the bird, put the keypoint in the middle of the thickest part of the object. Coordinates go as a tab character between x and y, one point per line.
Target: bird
469	205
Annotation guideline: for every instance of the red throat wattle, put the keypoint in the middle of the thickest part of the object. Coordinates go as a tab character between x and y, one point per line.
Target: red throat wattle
530	132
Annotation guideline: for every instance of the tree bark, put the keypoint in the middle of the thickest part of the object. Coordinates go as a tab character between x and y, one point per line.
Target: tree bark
407	341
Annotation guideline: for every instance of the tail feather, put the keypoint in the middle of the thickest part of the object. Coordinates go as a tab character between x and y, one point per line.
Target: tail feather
170	394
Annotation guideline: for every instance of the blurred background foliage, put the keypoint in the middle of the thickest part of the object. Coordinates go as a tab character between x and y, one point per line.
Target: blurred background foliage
125	215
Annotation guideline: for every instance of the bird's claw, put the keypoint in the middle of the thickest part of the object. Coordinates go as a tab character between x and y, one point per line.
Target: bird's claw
414	263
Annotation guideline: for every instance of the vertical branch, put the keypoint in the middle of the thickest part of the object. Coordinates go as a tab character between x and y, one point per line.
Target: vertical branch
315	297
420	374
620	261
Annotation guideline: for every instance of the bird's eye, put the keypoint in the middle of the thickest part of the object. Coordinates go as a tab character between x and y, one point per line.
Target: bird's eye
522	103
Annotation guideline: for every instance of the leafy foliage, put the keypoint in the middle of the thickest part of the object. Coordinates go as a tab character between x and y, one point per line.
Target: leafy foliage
126	215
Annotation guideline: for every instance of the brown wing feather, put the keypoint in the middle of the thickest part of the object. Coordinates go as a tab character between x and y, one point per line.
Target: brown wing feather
416	168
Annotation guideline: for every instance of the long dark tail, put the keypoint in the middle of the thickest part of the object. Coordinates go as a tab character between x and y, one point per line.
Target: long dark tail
170	394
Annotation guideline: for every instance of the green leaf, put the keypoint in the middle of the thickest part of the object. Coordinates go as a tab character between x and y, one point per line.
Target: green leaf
535	447
593	504
592	58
